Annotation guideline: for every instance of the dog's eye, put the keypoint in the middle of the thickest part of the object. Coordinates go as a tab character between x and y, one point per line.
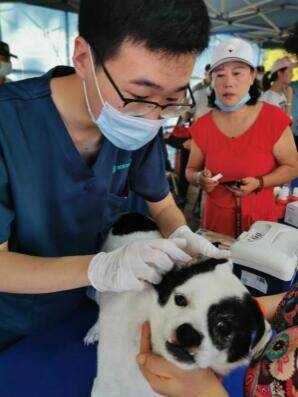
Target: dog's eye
180	300
224	328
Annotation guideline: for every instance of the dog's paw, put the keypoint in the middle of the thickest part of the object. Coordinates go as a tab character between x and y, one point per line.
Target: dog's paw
92	335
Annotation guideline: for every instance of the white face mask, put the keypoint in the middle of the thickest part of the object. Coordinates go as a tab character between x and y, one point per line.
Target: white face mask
5	68
123	131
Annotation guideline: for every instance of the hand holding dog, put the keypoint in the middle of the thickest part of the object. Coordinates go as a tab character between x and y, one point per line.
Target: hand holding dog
197	244
168	380
128	267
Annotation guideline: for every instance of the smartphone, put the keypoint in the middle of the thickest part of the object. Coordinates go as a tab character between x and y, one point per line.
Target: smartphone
233	183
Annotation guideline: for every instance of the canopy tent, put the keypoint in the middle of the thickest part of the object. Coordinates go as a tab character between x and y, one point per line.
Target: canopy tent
63	5
266	22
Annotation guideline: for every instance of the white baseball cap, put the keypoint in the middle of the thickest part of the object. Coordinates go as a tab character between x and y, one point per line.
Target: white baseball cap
281	63
232	50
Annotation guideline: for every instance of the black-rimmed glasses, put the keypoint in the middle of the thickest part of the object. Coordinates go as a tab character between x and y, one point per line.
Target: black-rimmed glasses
141	107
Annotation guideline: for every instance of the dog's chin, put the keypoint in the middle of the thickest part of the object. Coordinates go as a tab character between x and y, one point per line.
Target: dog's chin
181	357
224	369
180	354
188	360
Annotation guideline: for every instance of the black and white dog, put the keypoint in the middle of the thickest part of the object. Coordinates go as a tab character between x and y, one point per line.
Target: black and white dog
200	316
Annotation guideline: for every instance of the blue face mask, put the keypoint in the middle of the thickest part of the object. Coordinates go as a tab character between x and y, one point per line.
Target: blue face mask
124	131
237	106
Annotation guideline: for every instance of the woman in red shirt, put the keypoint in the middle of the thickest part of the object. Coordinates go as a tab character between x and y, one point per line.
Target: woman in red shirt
243	139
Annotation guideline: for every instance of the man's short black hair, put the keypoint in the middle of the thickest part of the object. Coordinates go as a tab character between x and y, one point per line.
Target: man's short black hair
168	26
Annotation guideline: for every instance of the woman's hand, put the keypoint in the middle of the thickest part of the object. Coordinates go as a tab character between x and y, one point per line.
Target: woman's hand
247	186
170	381
206	182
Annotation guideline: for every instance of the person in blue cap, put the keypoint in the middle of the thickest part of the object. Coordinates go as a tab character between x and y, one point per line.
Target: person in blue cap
74	142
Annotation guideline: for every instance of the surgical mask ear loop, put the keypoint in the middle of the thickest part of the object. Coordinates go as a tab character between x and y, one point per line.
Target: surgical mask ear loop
88	103
94	75
93	118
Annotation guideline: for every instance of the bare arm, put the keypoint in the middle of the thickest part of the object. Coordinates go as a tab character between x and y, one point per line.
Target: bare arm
270	304
289	96
285	154
167	215
195	164
29	274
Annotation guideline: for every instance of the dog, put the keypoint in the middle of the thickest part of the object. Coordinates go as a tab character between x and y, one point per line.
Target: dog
200	316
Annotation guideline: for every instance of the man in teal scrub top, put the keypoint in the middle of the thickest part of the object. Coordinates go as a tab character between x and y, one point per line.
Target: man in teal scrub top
74	142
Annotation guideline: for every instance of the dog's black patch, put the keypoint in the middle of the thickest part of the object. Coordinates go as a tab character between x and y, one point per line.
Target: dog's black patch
187	336
177	277
236	325
133	222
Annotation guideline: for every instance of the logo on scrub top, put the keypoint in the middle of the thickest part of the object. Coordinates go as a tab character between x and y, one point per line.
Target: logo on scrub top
120	167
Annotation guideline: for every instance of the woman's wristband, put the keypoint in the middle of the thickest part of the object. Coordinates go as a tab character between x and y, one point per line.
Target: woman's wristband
261	183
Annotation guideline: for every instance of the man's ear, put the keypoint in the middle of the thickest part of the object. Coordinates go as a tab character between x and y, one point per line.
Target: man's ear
81	57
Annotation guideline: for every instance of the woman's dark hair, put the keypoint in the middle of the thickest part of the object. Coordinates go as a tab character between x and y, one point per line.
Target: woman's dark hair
254	93
269	78
168	26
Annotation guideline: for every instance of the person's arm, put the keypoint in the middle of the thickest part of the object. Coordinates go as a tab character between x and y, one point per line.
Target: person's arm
194	166
30	274
285	154
168	380
127	268
270	304
289	97
167	215
172	224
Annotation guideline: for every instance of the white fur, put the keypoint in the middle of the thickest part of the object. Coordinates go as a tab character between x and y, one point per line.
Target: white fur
122	314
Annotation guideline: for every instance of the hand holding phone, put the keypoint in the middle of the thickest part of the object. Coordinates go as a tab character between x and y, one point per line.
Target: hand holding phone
234	184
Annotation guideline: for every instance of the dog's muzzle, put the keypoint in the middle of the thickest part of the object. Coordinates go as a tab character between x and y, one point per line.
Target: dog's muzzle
185	344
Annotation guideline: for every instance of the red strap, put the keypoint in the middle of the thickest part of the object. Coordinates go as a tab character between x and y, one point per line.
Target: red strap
238	215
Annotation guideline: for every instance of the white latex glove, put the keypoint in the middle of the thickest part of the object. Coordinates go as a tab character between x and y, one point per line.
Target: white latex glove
129	266
197	244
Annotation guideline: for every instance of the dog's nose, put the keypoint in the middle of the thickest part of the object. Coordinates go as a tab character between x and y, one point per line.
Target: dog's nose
188	336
